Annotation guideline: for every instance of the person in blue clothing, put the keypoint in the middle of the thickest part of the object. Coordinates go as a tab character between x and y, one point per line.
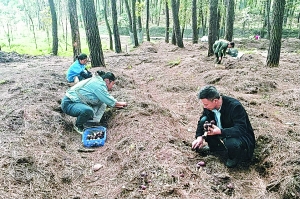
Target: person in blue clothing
232	132
88	99
77	70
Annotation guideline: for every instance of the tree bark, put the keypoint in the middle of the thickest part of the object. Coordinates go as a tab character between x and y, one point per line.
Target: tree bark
74	28
229	20
134	29
276	33
213	26
194	22
175	9
147	19
167	22
92	32
129	16
118	47
139	18
54	28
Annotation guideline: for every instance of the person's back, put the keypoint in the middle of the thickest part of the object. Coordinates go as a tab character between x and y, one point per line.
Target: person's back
77	70
220	47
74	70
233	52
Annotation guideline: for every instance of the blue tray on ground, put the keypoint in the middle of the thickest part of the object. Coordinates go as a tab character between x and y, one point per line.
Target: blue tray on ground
94	136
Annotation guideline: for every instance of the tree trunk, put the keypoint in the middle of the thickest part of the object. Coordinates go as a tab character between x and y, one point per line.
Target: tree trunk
107	25
173	36
201	16
129	16
194	22
218	23
135	38
167	22
118	47
276	34
54	28
175	8
298	21
268	19
147	19
92	32
74	28
213	25
229	20
139	17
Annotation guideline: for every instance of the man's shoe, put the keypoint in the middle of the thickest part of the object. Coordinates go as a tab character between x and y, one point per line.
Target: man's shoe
230	163
79	129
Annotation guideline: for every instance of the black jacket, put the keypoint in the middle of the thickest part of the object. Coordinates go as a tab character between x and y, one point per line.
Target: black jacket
235	122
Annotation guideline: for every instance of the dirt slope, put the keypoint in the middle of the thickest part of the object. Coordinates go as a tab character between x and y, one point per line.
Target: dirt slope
149	141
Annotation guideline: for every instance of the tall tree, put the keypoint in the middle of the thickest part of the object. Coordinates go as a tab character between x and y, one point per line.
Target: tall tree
118	47
92	32
276	33
147	19
107	25
194	22
213	25
54	28
167	21
139	16
129	16
175	11
134	29
74	28
229	20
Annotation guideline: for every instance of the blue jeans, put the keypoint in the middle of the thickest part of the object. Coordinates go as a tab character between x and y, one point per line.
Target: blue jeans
82	111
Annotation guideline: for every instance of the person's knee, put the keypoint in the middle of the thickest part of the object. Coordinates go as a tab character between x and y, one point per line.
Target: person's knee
233	143
88	113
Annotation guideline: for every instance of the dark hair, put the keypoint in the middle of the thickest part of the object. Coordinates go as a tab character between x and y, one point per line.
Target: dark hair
82	56
232	44
209	92
106	75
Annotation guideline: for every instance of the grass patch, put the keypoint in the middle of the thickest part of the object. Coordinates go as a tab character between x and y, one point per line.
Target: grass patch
174	63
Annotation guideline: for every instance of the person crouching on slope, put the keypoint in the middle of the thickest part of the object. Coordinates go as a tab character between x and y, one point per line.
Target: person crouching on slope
220	48
87	100
77	71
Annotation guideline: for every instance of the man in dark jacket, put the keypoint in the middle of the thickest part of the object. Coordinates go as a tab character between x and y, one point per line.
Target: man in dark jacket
220	48
232	131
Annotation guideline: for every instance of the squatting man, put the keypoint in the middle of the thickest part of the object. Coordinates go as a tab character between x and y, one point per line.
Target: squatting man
232	132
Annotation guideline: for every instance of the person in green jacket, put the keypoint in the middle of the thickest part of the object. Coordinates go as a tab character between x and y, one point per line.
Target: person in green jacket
220	48
88	99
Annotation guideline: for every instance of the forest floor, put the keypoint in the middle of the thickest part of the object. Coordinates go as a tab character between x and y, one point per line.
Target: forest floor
149	142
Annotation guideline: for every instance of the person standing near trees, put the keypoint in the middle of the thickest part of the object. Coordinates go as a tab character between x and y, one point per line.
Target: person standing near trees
220	48
87	100
232	132
77	71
